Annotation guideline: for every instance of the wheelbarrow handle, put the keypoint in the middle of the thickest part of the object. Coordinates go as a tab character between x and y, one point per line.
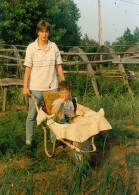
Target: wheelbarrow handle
34	101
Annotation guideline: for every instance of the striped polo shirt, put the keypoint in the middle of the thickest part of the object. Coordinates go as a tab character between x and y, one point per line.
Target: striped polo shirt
43	76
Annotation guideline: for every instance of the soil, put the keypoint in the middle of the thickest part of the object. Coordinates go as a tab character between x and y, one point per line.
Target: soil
41	179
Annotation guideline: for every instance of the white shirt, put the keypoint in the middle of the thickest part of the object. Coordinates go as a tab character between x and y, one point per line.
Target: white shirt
43	76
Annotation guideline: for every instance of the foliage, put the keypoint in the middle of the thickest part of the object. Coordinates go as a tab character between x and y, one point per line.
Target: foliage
89	46
107	86
12	134
15	96
19	19
136	35
107	43
112	86
128	39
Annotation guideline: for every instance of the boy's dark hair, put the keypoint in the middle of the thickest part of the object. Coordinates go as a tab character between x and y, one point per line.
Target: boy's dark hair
64	85
43	24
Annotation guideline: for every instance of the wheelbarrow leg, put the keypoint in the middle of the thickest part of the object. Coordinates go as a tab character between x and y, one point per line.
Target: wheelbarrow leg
50	155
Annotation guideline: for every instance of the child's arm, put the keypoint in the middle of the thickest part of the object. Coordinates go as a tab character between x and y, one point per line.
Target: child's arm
60	116
72	114
55	109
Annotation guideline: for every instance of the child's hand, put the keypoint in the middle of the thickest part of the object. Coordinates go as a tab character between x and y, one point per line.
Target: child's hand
63	101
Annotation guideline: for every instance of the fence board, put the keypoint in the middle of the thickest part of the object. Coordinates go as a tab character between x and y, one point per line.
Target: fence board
10	81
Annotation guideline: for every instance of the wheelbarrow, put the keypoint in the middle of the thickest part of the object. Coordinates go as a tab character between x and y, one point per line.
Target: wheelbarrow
79	135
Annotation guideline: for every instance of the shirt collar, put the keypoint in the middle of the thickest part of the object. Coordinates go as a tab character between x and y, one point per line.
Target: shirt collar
37	45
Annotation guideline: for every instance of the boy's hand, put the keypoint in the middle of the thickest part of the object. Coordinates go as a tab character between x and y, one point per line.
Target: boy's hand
26	91
63	101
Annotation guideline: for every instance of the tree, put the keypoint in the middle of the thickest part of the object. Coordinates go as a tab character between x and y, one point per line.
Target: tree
63	15
127	39
93	45
107	43
18	20
136	35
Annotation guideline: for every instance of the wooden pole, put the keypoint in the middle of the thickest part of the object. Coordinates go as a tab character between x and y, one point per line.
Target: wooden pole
4	99
99	21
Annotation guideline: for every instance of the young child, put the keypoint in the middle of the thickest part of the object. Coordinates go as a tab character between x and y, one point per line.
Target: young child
67	110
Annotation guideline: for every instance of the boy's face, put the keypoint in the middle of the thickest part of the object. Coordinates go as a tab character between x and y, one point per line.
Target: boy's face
43	34
64	93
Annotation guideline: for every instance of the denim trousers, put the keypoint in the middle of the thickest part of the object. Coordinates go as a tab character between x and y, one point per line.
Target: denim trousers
32	112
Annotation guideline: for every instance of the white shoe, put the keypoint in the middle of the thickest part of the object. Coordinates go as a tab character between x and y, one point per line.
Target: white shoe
28	142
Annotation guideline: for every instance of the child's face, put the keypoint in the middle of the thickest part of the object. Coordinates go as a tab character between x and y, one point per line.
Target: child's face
64	93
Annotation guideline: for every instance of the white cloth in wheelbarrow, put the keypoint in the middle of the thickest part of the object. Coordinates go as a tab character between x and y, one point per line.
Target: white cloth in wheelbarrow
82	128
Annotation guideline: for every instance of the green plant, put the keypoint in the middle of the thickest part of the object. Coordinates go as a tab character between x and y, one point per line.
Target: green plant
12	135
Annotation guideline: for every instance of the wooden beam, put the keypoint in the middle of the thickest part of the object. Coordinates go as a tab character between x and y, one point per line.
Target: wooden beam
19	50
99	22
86	62
12	58
9	81
93	63
124	61
89	68
9	64
125	77
4	98
101	53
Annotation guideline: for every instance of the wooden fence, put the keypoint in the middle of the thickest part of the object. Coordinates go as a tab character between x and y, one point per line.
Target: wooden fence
12	57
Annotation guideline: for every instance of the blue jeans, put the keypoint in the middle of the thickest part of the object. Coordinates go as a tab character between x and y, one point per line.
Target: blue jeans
32	112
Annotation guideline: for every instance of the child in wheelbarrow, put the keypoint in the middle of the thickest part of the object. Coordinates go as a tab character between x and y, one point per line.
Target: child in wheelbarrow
63	107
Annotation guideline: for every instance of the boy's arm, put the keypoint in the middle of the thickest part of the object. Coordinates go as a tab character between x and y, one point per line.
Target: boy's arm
25	82
60	116
60	72
54	109
72	114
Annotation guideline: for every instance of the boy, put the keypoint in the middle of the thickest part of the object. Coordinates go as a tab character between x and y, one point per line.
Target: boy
43	62
67	110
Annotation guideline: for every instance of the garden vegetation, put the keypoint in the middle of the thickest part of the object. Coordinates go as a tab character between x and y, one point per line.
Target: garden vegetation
26	169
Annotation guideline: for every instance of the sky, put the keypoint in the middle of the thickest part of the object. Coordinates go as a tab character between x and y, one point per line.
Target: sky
116	17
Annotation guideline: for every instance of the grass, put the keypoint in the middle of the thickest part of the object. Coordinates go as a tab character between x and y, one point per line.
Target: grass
118	108
76	179
100	177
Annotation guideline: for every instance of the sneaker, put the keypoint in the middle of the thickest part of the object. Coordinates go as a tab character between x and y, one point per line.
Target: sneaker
28	142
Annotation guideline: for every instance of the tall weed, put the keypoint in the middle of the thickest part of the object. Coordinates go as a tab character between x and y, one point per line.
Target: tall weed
122	107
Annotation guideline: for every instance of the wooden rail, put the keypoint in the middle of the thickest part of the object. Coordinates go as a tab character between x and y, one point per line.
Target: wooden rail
131	56
70	53
93	63
6	82
10	81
